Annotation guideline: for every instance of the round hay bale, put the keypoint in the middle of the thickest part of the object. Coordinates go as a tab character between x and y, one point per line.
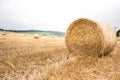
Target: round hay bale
89	37
3	34
36	37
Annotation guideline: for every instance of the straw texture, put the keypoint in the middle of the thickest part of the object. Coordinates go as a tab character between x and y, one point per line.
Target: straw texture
118	38
89	37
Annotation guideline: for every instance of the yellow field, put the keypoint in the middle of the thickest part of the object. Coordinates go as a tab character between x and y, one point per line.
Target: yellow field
24	58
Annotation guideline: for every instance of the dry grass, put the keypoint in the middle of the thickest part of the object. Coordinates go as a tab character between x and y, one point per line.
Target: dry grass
25	58
118	38
90	37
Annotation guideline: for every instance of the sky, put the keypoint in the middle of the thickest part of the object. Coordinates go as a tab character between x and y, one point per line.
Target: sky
55	15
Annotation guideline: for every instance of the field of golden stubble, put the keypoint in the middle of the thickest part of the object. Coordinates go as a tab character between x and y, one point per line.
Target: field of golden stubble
24	58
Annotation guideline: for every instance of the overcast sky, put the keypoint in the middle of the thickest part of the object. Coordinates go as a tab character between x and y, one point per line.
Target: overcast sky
56	14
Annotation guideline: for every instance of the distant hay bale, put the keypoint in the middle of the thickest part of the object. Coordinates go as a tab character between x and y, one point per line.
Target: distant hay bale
36	37
3	33
89	37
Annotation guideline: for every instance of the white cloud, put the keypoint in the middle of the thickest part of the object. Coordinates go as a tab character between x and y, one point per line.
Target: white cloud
55	14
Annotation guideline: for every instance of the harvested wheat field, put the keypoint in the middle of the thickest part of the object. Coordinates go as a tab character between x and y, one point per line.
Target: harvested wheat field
118	38
46	58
